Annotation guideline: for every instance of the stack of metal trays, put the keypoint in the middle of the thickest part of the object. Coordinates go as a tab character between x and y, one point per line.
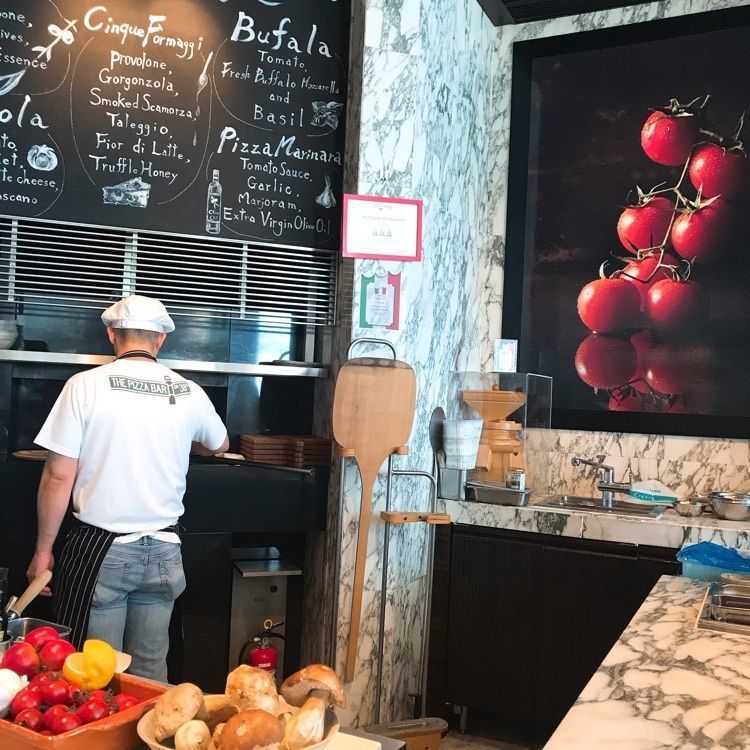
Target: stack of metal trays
726	608
496	493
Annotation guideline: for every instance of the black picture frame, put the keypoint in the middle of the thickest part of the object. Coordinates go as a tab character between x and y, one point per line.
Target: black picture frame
517	280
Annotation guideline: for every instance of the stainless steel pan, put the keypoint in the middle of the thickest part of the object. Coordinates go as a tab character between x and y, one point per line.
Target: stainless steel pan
19	626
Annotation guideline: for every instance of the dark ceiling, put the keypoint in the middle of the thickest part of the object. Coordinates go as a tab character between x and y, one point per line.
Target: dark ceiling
502	12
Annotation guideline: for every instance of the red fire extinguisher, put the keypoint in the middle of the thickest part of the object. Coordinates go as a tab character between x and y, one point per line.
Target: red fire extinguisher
259	652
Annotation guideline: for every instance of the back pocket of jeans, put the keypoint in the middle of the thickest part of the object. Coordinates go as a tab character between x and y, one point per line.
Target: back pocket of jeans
172	579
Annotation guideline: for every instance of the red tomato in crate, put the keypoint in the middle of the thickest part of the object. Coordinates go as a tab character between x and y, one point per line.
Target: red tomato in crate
54	653
76	695
65	722
43	677
609	305
55	692
41	635
645	226
22	659
718	171
25	699
668	139
605	361
92	710
125	700
52	712
31	718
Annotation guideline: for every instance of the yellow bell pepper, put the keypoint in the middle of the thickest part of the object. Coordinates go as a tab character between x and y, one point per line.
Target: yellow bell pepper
92	668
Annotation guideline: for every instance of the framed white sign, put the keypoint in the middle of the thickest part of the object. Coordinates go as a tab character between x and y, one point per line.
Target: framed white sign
382	228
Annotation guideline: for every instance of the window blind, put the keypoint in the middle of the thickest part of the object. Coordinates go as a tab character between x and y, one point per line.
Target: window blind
52	263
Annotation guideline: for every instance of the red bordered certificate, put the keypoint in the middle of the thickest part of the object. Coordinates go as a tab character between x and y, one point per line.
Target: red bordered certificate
382	228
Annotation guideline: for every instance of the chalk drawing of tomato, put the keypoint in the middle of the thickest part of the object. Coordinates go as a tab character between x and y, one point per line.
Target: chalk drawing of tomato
42	158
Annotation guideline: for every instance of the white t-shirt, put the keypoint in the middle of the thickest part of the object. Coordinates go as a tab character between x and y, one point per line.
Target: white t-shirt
131	443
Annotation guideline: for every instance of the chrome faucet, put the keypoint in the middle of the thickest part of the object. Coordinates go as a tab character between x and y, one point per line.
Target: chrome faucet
607	486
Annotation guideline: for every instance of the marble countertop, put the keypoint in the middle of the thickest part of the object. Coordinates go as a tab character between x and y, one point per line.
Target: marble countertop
665	684
669	530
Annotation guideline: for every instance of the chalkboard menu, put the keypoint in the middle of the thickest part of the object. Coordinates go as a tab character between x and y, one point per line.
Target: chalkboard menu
203	117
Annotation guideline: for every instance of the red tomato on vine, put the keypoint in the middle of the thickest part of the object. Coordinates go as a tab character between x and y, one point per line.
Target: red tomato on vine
645	225
645	273
703	233
674	306
609	305
719	171
668	139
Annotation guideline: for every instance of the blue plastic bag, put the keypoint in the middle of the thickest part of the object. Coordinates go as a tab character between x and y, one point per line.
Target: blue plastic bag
714	555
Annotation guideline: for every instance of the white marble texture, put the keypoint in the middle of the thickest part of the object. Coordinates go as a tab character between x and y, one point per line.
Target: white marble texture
425	132
669	530
687	465
665	684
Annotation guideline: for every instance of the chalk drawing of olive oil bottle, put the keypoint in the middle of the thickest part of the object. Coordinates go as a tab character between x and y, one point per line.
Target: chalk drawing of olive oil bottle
213	205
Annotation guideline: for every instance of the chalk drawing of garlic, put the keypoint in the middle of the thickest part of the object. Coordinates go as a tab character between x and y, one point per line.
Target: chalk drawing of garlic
42	158
326	198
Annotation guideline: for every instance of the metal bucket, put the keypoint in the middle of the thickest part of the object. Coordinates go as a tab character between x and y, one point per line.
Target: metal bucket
19	627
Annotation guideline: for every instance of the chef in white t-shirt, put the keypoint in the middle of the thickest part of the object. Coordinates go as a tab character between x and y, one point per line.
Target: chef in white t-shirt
119	438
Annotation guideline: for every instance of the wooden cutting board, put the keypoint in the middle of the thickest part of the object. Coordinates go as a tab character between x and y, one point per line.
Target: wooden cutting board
373	412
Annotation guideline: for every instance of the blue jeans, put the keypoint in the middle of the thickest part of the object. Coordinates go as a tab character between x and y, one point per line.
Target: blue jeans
133	600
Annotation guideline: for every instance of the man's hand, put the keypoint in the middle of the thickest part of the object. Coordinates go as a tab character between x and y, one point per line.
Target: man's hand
39	563
201	450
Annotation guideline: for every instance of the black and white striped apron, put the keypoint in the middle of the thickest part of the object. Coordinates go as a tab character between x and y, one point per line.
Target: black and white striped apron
76	573
75	577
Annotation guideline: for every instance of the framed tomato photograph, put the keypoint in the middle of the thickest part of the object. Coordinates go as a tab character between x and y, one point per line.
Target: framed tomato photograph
627	267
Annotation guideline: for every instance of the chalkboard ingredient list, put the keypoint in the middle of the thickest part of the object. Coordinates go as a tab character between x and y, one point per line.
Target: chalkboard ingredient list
203	117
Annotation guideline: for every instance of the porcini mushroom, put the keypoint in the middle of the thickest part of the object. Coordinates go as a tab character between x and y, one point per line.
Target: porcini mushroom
251	730
192	735
174	708
252	688
308	681
312	688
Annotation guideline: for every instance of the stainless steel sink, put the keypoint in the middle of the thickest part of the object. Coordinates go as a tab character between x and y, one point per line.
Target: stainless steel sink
594	505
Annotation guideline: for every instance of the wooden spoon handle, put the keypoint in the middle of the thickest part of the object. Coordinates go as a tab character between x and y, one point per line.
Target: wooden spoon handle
31	592
365	511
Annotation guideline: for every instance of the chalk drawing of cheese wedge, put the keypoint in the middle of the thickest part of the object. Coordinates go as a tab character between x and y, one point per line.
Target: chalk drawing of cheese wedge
134	193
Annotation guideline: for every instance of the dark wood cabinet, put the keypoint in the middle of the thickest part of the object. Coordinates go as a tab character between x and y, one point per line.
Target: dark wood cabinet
527	618
586	596
491	604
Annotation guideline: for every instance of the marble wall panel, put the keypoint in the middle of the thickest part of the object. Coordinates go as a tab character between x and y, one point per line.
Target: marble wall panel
425	132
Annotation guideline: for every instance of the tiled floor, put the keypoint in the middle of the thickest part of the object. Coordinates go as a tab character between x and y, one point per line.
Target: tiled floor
456	741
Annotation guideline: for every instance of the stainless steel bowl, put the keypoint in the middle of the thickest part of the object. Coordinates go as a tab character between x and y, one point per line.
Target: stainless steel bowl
691	507
731	506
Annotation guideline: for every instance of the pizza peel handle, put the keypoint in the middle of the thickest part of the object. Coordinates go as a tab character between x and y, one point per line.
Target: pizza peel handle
373	412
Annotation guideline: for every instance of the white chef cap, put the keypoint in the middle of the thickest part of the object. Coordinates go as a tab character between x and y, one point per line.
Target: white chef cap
144	313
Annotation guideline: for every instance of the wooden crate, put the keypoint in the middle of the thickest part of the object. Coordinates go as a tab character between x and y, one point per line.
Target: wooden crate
116	732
